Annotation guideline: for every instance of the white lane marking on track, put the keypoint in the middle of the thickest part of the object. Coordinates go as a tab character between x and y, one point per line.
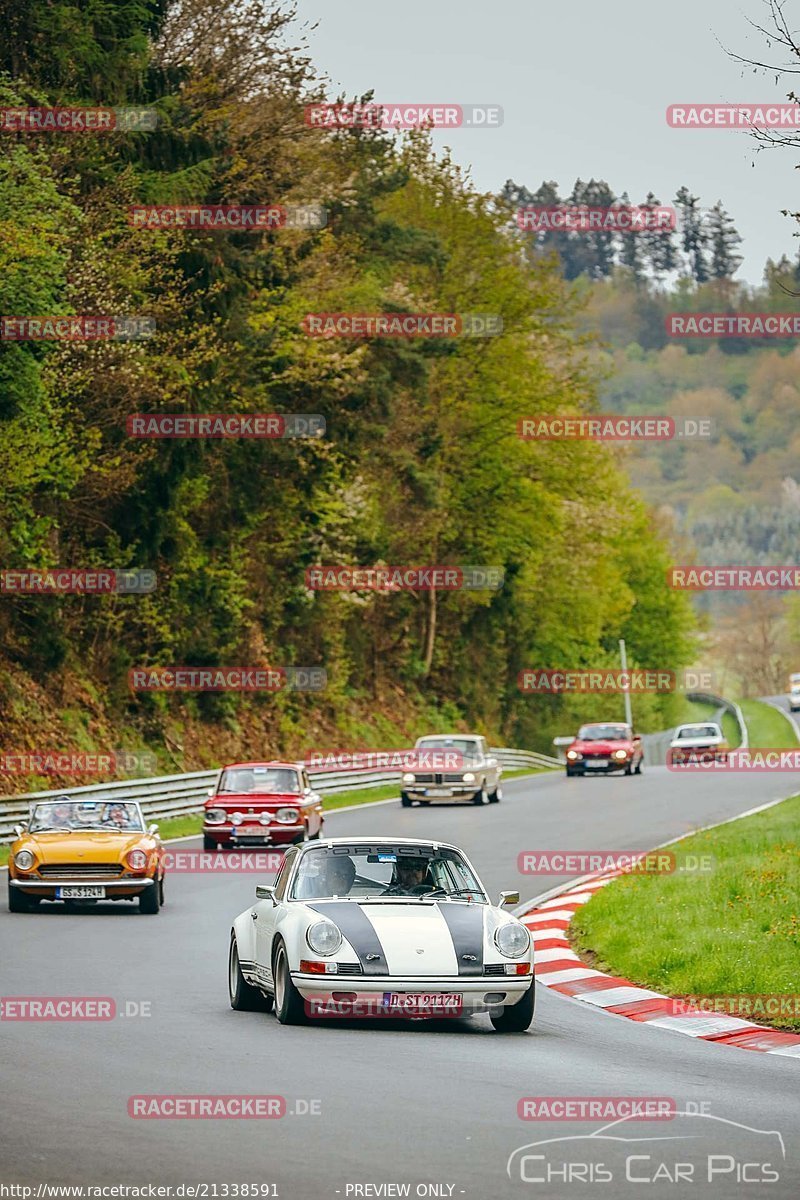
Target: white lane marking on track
565	976
555	954
703	1026
609	997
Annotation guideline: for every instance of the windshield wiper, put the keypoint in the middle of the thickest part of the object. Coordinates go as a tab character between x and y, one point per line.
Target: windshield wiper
447	895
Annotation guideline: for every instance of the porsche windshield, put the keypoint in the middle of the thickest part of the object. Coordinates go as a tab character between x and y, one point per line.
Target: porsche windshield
261	781
376	872
700	731
71	815
604	733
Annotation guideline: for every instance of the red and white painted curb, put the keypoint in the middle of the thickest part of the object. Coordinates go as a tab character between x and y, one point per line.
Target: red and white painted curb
559	969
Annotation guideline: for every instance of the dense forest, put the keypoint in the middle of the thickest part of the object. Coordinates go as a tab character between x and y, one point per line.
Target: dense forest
420	463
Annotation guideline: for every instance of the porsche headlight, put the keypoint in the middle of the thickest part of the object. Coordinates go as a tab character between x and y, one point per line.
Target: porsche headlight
23	859
468	777
512	939
287	816
324	937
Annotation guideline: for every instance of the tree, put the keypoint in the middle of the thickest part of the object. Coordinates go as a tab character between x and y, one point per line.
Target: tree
693	235
723	238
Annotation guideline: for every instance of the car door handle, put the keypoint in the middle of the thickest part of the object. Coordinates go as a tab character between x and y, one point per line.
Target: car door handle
254	914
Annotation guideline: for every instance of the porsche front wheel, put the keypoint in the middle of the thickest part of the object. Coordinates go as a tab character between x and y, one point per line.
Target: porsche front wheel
288	1002
516	1018
243	996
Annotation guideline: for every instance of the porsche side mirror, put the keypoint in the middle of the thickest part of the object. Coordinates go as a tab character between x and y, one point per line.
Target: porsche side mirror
507	898
265	891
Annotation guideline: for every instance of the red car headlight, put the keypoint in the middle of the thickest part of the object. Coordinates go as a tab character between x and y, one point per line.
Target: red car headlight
136	860
287	816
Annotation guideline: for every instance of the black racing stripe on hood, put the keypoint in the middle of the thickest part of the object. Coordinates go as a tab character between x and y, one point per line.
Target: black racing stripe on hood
359	931
465	922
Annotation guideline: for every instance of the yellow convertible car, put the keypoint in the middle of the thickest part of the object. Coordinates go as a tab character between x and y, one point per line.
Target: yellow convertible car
82	851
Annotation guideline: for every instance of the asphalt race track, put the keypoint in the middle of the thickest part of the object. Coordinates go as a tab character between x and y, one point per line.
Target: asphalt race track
399	1102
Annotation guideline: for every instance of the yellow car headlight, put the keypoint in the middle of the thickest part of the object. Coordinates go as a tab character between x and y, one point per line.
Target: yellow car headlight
24	860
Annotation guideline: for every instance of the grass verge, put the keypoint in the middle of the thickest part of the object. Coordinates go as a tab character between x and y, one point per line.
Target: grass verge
767	726
732	931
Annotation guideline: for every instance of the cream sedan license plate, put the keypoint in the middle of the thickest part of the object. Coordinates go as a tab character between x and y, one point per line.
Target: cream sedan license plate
81	891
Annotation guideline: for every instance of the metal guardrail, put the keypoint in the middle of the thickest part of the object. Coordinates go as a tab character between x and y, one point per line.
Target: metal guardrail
179	795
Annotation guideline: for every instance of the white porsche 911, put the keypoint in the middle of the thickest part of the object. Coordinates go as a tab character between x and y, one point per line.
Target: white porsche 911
381	927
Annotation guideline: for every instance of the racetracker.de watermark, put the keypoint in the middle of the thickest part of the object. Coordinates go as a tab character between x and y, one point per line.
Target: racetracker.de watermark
229	862
206	1108
596	1108
433	759
738	761
584	218
601	862
557	681
77	120
734	116
77	762
608	427
401	325
404	579
227	218
81	581
749	1005
377	115
226	425
227	679
70	1008
733	579
390	1005
76	329
729	325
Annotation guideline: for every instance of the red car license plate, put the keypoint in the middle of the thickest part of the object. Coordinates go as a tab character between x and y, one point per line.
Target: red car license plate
251	831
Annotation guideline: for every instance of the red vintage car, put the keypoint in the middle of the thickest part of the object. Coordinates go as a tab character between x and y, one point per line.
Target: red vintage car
261	804
605	746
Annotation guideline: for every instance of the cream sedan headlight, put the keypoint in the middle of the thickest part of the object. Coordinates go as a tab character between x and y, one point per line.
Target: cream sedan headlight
468	777
409	778
23	859
512	939
324	937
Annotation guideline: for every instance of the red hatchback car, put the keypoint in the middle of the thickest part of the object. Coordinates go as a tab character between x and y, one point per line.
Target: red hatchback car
603	747
261	804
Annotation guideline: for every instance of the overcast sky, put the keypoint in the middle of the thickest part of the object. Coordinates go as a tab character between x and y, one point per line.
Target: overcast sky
584	87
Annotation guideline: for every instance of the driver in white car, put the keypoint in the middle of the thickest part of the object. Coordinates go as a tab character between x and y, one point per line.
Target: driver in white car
411	876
